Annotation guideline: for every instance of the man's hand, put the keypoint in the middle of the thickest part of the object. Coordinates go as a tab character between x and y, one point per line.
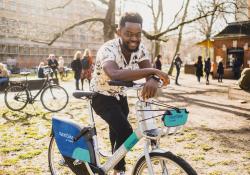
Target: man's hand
164	77
149	89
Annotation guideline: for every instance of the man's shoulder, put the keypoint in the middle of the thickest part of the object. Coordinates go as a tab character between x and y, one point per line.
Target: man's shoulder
111	44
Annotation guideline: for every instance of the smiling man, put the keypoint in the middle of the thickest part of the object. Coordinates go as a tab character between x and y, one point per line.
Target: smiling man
123	58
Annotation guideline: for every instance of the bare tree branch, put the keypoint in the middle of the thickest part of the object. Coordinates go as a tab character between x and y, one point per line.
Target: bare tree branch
58	35
104	2
61	6
156	36
176	15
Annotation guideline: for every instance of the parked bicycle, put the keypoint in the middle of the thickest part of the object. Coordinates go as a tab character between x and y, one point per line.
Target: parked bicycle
53	97
74	148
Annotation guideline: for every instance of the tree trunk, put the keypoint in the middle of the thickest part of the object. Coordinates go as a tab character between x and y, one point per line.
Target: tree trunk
109	24
170	71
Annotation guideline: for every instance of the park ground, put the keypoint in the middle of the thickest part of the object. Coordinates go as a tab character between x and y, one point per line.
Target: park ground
215	140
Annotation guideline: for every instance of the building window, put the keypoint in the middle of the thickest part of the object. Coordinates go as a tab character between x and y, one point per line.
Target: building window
2	6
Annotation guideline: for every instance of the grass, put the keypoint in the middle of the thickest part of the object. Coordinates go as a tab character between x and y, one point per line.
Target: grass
9	162
198	157
10	149
216	172
29	170
190	146
30	154
206	147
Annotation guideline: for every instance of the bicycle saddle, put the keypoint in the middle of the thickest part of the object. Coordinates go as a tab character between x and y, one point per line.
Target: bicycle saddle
24	73
87	94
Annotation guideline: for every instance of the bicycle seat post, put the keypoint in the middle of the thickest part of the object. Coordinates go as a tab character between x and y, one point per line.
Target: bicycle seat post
92	124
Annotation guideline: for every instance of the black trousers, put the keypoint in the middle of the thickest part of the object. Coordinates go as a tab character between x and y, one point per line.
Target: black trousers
220	76
177	75
207	76
115	113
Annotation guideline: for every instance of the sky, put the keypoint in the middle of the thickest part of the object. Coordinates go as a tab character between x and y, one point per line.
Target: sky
171	7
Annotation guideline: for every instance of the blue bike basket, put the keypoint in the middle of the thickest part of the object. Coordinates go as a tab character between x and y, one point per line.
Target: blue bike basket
175	117
64	131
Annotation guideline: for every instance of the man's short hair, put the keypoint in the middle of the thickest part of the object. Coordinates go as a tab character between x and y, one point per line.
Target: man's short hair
130	17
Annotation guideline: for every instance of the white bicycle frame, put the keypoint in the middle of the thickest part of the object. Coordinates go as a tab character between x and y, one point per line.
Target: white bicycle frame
129	143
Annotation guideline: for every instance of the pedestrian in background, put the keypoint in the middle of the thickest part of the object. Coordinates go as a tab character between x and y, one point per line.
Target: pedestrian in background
207	70
77	67
157	62
40	70
87	66
220	71
4	75
177	63
199	68
53	64
61	67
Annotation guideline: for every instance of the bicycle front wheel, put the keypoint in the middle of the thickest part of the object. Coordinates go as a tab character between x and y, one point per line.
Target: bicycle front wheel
16	97
54	98
163	164
60	165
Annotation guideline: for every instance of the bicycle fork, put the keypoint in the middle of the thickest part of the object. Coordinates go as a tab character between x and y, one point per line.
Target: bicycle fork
148	143
146	153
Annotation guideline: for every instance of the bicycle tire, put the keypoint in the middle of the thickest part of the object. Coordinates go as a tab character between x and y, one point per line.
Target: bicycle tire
16	97
56	161
54	98
169	160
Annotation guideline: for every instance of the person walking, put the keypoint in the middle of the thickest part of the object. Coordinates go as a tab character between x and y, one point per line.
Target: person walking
177	63
61	67
220	71
157	63
40	70
53	64
207	70
199	68
4	75
87	66
77	68
124	58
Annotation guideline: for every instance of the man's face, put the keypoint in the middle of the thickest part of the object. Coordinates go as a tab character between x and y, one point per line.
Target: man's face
131	36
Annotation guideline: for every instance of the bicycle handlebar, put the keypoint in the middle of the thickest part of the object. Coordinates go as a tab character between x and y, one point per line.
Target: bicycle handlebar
121	83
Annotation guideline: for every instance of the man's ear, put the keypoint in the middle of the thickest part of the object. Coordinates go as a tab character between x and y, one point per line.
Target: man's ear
118	32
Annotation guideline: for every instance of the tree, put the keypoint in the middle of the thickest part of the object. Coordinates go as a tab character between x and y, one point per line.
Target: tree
109	27
179	38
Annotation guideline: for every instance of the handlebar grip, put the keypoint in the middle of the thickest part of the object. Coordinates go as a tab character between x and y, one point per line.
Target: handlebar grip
121	83
78	94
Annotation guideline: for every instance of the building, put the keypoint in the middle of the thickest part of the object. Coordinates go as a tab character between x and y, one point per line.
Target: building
26	20
231	46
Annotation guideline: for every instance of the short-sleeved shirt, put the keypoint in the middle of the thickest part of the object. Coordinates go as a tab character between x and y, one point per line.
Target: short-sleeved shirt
111	51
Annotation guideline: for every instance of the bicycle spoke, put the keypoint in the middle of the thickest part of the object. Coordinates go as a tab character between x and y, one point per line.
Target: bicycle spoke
54	98
16	98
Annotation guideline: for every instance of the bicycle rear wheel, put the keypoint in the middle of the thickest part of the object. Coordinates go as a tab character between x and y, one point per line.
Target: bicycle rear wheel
54	98
164	164
60	165
16	97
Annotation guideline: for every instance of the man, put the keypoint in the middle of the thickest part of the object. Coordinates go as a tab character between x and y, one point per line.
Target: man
177	63
53	64
119	59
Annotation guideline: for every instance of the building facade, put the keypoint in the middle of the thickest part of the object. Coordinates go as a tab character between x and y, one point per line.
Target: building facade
23	21
231	46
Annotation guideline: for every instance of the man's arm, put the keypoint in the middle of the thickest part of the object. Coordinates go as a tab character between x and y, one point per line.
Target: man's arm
114	73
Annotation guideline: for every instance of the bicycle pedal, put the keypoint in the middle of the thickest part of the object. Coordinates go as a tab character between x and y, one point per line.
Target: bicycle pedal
77	162
62	162
152	132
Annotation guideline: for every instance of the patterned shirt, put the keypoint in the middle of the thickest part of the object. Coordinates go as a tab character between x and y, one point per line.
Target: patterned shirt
111	51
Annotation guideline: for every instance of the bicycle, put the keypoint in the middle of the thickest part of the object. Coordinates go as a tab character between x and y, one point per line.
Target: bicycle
74	148
53	97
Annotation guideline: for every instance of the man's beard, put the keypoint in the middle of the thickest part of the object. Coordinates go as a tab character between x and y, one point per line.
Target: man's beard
128	49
